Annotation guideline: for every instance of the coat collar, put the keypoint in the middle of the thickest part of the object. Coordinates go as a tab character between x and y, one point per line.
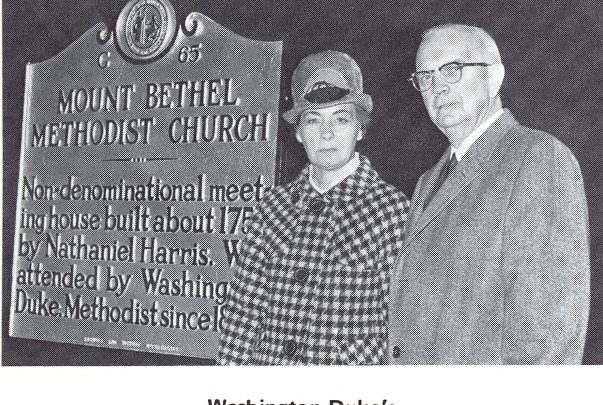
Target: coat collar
476	157
363	179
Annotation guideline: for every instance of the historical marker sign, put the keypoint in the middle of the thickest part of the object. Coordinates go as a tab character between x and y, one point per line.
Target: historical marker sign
144	152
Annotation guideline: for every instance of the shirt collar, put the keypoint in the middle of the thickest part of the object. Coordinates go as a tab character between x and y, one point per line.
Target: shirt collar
343	172
351	187
467	142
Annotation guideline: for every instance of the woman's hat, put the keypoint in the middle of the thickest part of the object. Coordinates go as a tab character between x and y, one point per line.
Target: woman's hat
326	79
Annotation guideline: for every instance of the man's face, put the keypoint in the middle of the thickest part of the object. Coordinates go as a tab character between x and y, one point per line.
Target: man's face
456	108
329	135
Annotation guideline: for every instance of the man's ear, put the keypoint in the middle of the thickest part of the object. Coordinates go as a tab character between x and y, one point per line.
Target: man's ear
298	136
360	134
495	79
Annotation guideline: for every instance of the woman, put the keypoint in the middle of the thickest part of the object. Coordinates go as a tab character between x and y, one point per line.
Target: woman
313	279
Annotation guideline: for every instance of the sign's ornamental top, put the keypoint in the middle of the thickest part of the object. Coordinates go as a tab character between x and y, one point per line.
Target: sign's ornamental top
146	28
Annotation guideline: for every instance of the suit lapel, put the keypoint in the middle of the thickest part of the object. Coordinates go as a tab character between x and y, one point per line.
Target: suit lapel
467	169
428	182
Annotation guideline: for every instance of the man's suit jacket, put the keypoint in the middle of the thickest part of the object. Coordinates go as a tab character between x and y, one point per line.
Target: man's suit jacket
496	269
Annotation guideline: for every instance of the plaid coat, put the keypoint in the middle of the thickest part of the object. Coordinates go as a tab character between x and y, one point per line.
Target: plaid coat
312	286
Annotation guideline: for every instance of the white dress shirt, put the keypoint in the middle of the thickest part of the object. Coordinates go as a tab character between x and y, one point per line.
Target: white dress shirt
343	172
466	144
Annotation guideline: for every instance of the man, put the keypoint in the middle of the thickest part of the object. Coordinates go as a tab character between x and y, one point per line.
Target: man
495	264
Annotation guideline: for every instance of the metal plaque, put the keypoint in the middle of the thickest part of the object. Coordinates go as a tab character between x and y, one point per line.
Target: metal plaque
144	151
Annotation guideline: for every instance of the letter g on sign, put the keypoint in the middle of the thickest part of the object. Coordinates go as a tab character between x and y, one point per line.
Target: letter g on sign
104	59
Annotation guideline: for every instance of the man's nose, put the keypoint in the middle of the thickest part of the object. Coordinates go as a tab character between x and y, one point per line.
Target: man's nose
439	85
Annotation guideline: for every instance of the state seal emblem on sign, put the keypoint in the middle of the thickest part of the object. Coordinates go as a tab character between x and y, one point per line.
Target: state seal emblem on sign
146	28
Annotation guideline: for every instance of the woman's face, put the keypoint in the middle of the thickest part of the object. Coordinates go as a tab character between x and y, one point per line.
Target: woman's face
329	135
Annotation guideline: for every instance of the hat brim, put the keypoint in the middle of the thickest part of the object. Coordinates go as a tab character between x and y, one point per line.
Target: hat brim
363	101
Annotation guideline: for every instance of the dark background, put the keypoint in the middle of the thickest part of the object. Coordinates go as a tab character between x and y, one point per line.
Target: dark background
552	50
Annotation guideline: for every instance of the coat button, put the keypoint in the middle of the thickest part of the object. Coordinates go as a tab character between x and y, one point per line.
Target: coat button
301	275
396	352
290	348
316	205
295	197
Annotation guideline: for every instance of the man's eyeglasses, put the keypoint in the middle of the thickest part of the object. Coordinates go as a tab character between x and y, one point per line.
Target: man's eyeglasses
451	73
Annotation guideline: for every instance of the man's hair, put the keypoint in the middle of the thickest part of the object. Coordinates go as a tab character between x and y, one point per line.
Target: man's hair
485	42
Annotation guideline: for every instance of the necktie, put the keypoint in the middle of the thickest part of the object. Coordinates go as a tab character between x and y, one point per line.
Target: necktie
447	168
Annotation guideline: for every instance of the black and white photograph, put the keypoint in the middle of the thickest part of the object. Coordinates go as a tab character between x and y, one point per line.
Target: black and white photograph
302	183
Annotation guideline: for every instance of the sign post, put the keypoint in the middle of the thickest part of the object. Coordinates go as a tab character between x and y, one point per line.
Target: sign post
144	152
